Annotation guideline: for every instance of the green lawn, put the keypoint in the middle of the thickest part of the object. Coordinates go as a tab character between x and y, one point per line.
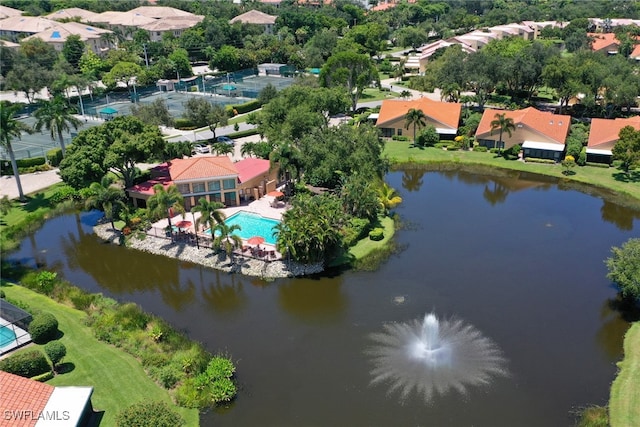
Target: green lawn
365	246
624	404
117	378
36	202
400	152
373	94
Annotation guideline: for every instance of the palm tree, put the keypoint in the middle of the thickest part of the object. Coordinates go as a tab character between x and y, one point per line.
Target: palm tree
210	213
288	158
415	118
163	201
57	117
11	128
388	197
504	124
222	149
104	197
226	239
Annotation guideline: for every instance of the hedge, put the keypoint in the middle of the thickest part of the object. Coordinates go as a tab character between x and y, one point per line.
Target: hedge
30	162
376	234
157	414
243	108
183	124
43	328
243	133
54	156
535	160
400	138
480	148
28	364
598	165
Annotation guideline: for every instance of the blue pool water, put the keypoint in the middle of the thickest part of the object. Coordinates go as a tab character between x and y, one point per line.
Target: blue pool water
253	225
7	336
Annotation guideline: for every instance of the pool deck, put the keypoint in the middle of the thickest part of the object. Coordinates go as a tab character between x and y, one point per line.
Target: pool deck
266	207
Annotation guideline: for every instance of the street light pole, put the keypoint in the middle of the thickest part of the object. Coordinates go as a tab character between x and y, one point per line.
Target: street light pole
195	227
146	58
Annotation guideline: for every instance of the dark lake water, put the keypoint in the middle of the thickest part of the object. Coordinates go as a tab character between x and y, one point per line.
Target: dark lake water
519	259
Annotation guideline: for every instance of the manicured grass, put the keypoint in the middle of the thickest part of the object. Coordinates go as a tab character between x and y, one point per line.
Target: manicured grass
36	202
371	94
400	152
624	404
365	246
117	378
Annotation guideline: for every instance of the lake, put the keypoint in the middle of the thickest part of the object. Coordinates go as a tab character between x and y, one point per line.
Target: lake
521	260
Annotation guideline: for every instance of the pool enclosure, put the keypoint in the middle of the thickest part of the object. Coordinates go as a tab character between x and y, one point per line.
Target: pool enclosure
14	324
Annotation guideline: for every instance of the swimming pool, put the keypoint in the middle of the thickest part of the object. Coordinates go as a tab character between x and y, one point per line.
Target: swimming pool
253	225
7	336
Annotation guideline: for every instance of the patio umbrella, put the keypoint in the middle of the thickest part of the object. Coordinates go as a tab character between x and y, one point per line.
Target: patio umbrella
275	194
183	224
255	240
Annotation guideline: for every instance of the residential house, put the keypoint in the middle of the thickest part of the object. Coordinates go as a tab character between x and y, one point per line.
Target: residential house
214	177
537	26
604	42
7	12
607	24
60	32
541	134
444	116
29	403
9	45
160	12
71	14
17	27
255	17
174	25
603	135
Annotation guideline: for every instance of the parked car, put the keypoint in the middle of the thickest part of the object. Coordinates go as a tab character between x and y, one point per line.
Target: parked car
201	149
225	139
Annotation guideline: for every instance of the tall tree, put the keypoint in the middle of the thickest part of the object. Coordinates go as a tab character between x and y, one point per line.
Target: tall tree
627	148
624	268
122	72
165	202
57	117
105	197
350	70
226	239
11	128
210	213
416	119
73	49
202	113
502	123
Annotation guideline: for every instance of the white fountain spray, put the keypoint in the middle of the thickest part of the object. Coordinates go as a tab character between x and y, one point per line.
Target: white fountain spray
432	356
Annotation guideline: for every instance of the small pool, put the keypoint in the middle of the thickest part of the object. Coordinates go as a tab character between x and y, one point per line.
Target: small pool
7	336
252	225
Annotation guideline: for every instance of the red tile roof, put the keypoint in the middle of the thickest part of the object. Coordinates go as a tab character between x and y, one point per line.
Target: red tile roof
22	400
250	168
447	113
604	133
201	167
147	186
553	126
602	40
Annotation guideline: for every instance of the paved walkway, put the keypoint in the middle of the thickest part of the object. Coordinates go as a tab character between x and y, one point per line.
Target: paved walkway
31	183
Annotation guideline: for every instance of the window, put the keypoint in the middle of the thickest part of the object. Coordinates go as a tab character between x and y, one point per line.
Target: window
229	184
399	132
230	198
387	132
198	187
184	188
215	197
214	186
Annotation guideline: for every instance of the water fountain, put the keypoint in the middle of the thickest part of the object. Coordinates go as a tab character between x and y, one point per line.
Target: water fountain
432	356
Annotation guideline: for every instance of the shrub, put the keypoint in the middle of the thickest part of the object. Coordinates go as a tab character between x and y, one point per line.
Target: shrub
43	328
28	364
184	124
452	148
56	352
43	377
54	156
243	133
400	138
2	294
64	193
536	160
582	157
80	299
441	145
168	376
480	148
376	234
213	386
234	110
494	150
149	414
31	162
428	137
355	230
46	281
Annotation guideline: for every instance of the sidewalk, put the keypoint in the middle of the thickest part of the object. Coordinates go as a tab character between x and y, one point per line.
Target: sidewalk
31	183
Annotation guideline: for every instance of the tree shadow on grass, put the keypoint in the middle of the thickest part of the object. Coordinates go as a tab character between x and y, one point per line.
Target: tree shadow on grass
631	176
35	202
568	173
65	368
